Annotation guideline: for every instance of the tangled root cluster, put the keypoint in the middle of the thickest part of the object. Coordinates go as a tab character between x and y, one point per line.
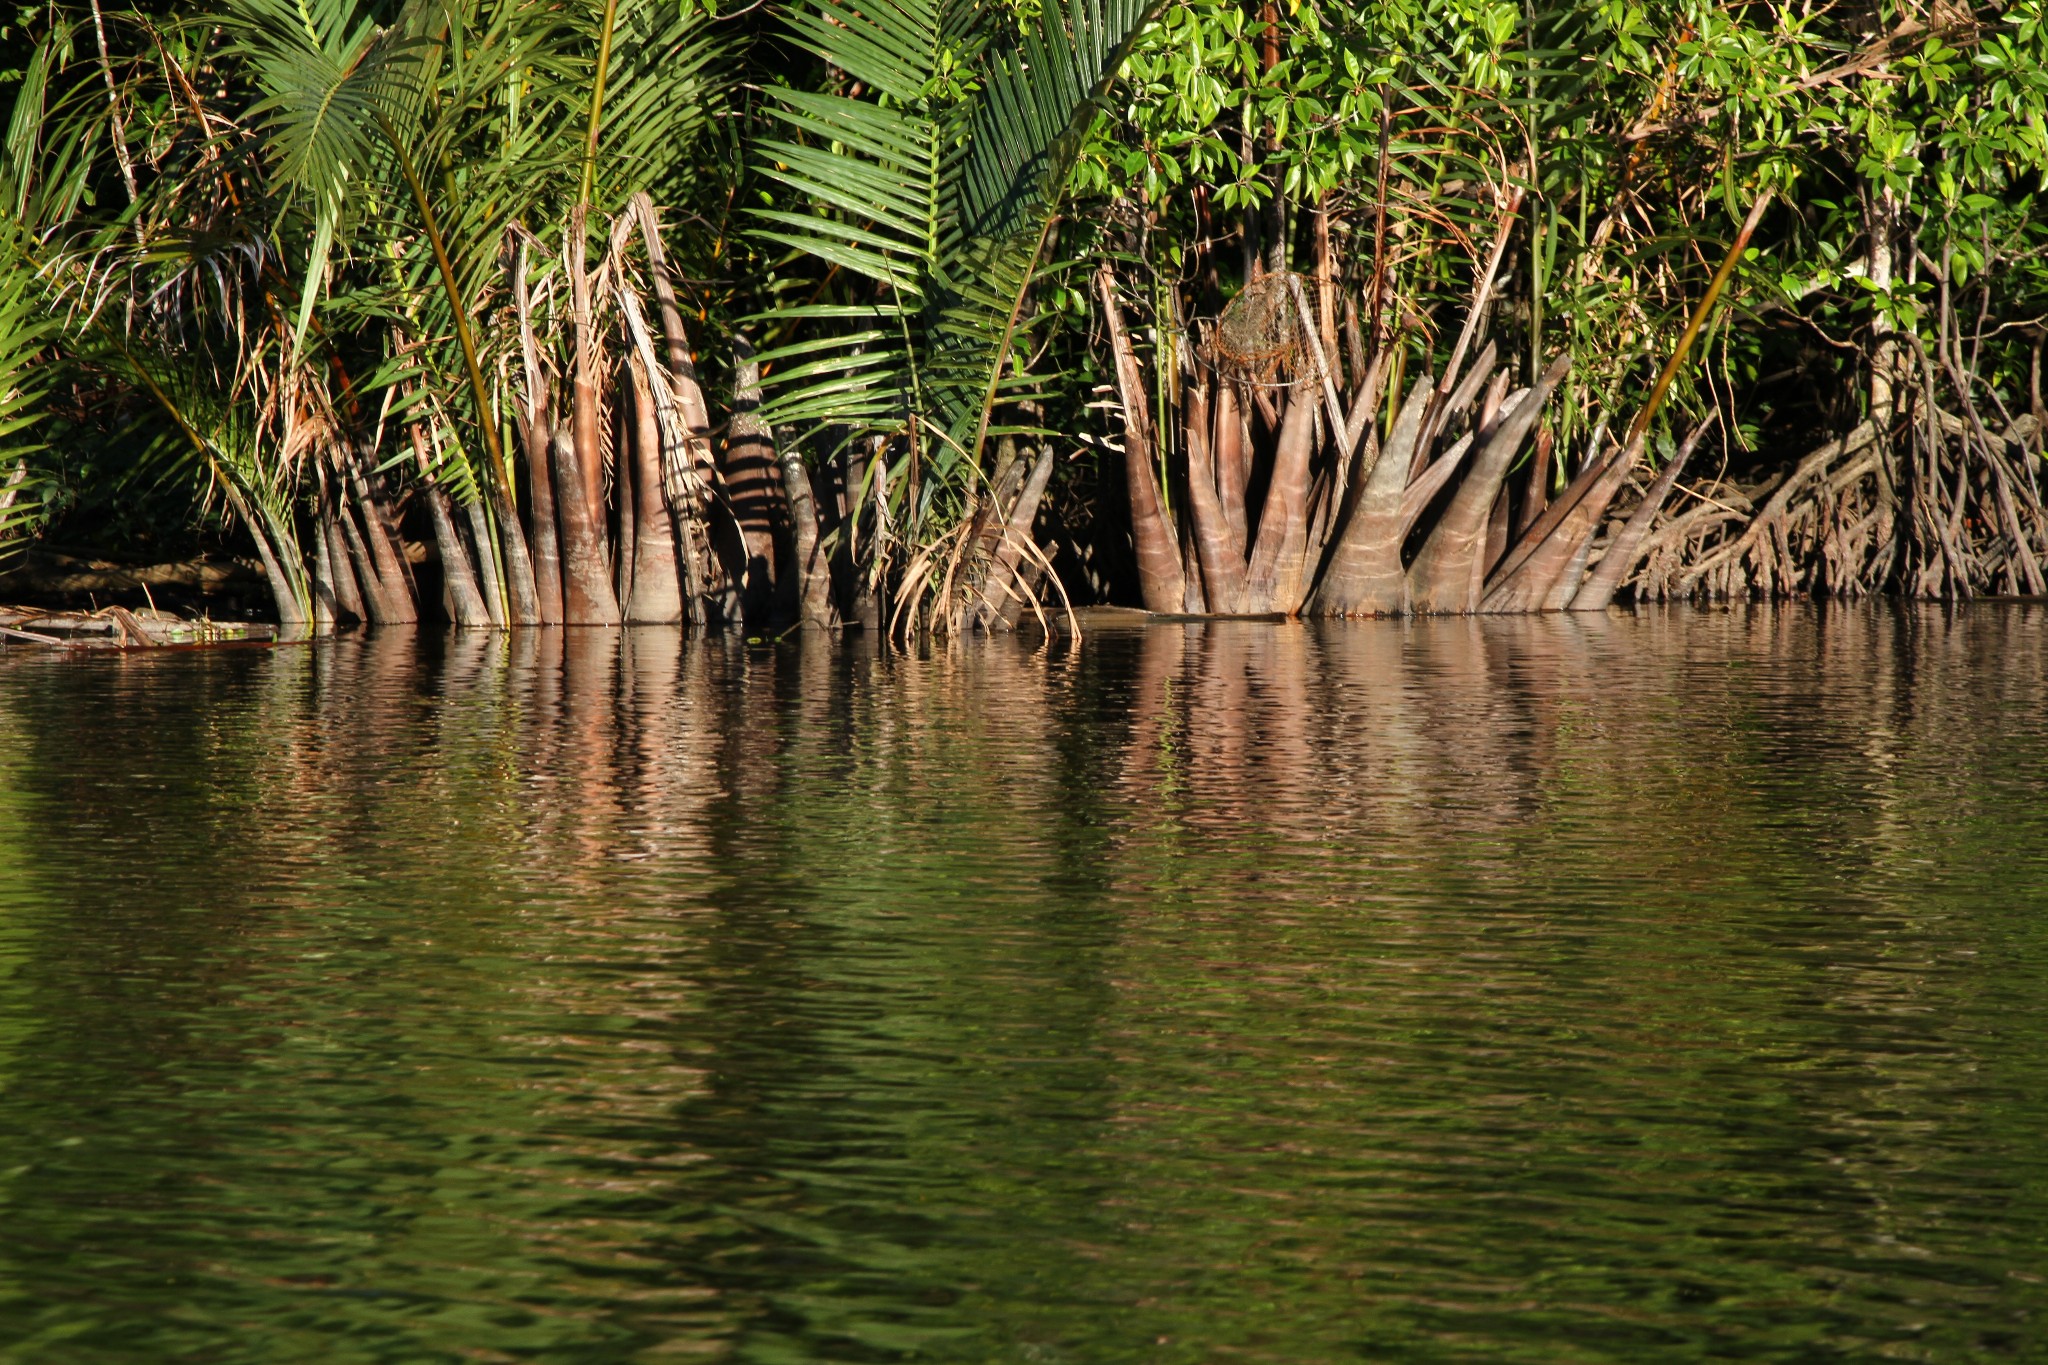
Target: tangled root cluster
1259	335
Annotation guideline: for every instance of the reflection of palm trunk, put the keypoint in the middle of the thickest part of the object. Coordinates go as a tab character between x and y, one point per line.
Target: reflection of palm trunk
1219	740
536	663
589	729
1373	750
1277	668
662	756
1154	707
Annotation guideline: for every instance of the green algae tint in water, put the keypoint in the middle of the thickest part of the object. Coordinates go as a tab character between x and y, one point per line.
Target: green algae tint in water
1660	987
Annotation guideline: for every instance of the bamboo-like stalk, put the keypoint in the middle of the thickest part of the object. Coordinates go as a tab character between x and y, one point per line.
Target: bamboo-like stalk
1160	577
1541	573
587	596
465	335
536	438
458	575
1641	426
1475	315
656	594
606	24
586	406
1326	286
814	577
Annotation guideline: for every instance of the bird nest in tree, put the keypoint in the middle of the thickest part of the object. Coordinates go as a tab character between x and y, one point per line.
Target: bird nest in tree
1259	335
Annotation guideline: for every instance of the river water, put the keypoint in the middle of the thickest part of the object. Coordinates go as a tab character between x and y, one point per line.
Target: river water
1663	987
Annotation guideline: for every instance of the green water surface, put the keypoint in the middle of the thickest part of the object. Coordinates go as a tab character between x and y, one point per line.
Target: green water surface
1664	987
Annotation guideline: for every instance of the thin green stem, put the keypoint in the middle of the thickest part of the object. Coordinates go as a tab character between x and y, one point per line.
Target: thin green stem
456	307
604	62
1641	425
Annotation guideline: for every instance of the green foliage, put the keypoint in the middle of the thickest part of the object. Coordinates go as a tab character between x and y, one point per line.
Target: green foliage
26	328
287	211
1640	132
323	198
939	186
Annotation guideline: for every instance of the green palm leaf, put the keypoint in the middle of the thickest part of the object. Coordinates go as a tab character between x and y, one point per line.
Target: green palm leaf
326	71
943	202
25	328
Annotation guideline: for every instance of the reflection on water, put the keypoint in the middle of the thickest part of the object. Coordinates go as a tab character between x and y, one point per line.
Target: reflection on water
1659	987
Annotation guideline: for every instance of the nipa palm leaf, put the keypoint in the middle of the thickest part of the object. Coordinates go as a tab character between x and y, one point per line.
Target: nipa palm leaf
943	203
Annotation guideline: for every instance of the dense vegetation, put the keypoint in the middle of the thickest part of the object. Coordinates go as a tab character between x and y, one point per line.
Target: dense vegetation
924	313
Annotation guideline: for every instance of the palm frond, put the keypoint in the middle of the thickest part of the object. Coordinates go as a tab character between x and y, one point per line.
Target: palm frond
26	325
670	69
326	71
944	202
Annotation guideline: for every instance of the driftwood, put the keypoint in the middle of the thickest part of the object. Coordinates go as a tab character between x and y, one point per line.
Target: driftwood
117	627
32	637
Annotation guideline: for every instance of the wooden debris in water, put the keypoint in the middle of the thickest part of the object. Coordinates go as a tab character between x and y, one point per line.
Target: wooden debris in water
120	628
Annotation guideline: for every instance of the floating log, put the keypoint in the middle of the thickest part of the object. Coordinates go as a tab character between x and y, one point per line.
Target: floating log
119	628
